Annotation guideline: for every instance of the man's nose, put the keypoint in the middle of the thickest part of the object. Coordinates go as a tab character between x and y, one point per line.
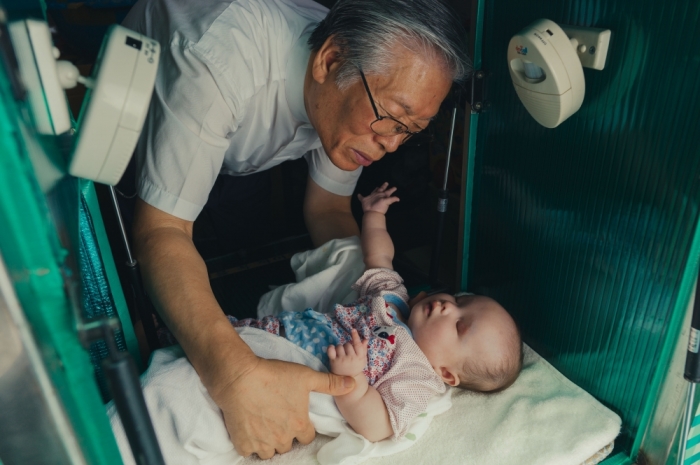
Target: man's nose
390	143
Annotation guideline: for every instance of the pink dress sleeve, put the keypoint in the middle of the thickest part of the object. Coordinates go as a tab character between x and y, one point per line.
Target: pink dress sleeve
377	281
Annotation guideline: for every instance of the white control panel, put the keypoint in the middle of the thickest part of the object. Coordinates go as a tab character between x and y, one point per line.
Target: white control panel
116	105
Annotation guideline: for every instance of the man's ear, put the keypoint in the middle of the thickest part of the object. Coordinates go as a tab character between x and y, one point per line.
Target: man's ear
448	376
326	61
417	298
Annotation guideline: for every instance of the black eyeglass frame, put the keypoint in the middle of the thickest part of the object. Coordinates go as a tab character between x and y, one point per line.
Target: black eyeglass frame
406	133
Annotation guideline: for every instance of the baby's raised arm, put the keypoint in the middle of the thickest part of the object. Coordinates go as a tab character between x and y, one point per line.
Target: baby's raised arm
363	408
377	246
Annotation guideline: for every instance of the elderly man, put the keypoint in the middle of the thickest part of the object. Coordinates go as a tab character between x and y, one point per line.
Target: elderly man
244	85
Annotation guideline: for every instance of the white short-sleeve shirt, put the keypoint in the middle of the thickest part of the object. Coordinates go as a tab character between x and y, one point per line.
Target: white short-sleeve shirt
228	97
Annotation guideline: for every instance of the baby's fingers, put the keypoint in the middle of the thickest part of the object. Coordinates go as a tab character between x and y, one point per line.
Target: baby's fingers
349	349
357	343
331	352
356	340
382	187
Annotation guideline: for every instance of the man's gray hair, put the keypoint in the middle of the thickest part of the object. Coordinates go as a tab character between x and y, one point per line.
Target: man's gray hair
367	32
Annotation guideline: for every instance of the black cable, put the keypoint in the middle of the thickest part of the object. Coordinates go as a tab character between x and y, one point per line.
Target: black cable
123	382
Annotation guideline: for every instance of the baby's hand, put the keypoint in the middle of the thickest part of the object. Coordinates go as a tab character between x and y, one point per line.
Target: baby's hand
349	359
379	200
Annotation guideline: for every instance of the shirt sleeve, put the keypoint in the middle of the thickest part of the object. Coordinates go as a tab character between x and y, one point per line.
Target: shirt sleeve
328	176
378	281
185	137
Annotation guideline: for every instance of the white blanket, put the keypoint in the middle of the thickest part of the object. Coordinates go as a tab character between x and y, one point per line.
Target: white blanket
324	278
191	430
543	419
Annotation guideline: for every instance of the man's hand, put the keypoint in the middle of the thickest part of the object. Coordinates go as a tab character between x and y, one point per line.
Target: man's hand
268	406
379	200
349	359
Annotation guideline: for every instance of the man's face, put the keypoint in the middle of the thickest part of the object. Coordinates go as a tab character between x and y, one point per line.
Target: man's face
410	92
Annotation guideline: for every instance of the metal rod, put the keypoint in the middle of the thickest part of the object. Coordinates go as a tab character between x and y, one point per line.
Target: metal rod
143	308
122	229
449	148
443	197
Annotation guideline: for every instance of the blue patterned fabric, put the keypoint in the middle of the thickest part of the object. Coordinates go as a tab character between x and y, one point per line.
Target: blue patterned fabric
310	330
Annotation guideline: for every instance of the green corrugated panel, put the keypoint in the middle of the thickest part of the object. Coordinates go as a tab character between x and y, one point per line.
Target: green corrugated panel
37	263
692	446
97	296
102	245
583	232
618	459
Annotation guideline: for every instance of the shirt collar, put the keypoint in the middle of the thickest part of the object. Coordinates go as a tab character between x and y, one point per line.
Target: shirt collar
296	72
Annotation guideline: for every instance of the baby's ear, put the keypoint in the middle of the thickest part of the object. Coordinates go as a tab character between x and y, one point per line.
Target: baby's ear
417	298
448	376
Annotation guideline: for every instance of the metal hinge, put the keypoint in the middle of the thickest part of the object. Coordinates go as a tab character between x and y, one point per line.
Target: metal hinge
477	101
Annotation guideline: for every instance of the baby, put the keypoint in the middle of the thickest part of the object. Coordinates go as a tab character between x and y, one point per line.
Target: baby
401	352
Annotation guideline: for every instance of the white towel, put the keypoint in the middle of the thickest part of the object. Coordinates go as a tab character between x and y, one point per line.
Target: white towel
542	419
191	430
324	278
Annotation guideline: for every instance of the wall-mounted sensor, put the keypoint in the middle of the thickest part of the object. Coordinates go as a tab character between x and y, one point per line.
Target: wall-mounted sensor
545	62
115	105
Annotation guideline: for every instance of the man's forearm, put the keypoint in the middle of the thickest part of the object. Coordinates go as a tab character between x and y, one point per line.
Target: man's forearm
365	411
332	225
177	282
327	216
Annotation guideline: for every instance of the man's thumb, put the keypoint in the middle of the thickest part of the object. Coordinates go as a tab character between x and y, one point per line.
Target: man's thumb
335	385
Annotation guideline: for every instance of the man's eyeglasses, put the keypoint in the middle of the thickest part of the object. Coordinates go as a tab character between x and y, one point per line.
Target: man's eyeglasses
387	126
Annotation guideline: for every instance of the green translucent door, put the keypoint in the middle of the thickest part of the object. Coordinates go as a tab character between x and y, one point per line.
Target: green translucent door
585	232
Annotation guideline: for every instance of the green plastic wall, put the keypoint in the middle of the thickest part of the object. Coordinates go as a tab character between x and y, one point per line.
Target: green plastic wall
585	232
38	241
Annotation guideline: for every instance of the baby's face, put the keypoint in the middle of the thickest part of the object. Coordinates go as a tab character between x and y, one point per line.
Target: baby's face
452	330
